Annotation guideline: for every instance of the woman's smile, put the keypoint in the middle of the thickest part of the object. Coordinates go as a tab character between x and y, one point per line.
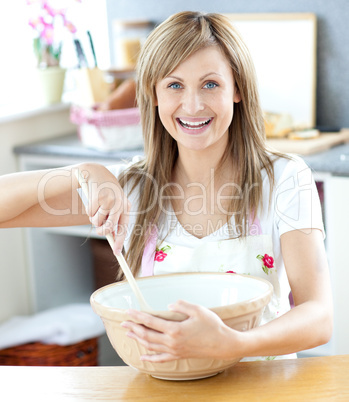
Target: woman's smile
196	100
194	126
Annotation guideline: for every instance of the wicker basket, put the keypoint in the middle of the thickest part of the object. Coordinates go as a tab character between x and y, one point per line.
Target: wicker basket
109	130
83	353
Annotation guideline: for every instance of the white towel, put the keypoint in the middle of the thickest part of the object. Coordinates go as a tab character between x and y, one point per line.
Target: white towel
64	325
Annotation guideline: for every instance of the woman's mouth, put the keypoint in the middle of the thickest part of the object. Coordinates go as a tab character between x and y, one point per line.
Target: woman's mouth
194	125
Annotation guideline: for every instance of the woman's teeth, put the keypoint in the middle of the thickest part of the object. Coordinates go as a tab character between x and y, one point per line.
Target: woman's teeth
194	125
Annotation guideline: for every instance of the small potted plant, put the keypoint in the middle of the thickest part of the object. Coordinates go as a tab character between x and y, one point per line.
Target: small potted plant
50	24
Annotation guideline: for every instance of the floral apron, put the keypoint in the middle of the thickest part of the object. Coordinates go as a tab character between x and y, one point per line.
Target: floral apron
252	255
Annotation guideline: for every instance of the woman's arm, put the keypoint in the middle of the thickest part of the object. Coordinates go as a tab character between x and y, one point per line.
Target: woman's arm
48	198
203	334
310	322
40	198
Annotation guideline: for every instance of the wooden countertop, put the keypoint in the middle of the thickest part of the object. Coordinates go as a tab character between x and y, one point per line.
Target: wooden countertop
306	379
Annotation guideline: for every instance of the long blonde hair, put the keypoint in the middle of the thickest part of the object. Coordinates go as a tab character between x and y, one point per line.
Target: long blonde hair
167	46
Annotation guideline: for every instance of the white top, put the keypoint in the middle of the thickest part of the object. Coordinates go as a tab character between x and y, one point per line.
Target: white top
294	205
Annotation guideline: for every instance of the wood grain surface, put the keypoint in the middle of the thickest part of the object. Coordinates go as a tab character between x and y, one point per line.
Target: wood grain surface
310	146
306	379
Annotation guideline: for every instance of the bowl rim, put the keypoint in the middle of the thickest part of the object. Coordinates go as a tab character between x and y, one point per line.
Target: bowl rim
224	312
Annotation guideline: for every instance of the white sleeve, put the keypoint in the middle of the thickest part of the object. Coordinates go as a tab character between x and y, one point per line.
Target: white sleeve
117	169
296	199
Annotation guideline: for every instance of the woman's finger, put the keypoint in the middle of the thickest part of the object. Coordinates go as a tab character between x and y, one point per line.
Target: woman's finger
148	320
99	218
182	306
152	340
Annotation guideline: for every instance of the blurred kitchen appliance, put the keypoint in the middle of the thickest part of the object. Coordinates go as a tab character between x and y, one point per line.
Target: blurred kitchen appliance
129	36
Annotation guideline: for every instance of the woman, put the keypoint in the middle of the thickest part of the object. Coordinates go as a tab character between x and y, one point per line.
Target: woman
207	196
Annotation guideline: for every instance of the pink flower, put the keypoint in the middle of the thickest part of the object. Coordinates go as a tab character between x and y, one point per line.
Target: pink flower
268	261
71	28
34	22
160	256
49	20
48	34
230	272
50	10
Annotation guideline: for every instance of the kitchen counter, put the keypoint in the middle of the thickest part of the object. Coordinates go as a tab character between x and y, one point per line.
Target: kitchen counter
70	146
334	160
319	378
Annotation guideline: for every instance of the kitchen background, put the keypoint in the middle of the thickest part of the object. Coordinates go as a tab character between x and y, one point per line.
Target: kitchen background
24	122
332	40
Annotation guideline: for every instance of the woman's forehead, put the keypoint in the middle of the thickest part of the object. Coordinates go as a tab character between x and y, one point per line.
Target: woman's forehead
205	60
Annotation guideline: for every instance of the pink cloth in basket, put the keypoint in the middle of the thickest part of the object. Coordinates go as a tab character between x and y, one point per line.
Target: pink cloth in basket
119	117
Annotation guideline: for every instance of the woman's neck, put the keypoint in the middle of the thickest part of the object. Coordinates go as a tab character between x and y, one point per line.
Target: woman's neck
194	167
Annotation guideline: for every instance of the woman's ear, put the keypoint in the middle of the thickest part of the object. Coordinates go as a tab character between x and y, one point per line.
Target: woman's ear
237	96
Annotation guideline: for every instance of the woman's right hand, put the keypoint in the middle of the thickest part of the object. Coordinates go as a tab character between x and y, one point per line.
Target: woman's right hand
108	208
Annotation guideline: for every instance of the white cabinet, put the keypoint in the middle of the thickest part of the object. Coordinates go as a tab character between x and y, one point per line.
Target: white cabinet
336	219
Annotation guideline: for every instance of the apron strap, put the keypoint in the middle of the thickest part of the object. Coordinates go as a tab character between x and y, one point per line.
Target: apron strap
254	226
148	257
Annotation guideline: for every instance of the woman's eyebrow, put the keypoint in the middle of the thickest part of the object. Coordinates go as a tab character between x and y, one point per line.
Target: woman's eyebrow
173	77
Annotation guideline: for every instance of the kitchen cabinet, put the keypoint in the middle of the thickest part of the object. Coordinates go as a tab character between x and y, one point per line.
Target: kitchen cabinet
337	226
60	267
335	201
20	126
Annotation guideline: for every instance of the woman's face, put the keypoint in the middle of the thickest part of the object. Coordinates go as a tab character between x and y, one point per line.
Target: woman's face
196	100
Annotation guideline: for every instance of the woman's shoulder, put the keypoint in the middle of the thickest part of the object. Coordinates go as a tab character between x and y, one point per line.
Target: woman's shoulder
289	165
118	168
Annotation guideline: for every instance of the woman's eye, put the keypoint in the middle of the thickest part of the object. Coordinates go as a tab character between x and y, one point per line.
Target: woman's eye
175	85
210	85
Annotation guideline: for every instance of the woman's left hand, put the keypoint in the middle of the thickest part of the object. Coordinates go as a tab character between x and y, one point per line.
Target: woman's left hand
202	334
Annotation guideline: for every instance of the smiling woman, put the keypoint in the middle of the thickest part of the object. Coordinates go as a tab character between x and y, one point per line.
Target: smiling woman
207	196
196	101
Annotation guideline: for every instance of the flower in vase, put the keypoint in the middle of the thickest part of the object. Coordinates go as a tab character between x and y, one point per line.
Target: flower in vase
48	19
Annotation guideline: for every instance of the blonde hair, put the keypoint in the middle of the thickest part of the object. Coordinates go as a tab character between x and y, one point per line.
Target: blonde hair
167	46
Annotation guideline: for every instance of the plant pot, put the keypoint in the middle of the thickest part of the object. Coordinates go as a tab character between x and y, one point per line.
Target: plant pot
51	84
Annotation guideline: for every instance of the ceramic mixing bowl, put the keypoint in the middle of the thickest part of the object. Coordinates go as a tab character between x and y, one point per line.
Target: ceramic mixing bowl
239	300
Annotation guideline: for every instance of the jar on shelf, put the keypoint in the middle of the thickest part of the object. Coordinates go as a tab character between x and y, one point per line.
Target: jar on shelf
129	36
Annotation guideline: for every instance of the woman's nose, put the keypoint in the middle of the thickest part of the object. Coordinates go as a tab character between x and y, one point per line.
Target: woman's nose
192	102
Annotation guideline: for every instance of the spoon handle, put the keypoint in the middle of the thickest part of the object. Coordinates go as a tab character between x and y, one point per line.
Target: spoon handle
121	260
129	276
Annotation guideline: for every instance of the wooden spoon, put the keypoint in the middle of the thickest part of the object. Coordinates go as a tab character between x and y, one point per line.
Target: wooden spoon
123	264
